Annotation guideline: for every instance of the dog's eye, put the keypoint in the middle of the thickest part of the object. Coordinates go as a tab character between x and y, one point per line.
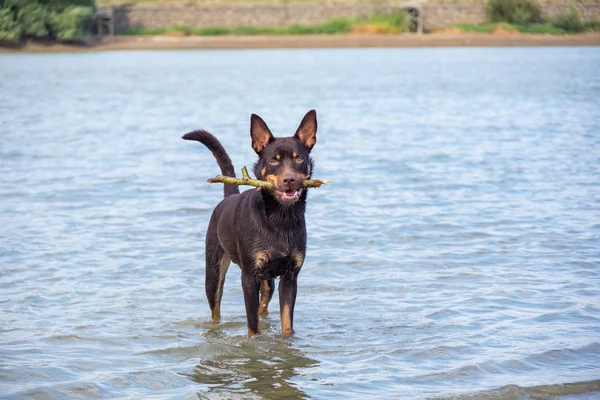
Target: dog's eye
273	162
299	160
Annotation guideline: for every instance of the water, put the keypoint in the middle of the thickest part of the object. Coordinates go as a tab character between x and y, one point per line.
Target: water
457	252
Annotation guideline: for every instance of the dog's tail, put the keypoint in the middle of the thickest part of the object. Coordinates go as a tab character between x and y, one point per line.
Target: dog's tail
220	154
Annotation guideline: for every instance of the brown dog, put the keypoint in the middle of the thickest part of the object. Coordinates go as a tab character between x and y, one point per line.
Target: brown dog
262	231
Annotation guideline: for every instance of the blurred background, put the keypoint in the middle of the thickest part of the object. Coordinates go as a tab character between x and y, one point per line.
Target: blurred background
455	255
88	21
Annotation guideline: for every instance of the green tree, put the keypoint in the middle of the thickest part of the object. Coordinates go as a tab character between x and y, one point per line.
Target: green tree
514	11
72	24
9	27
64	20
60	5
569	20
33	18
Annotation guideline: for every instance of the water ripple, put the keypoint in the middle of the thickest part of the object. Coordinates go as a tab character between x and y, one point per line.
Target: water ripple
455	256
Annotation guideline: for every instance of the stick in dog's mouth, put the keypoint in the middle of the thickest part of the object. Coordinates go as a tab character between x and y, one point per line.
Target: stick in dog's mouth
246	180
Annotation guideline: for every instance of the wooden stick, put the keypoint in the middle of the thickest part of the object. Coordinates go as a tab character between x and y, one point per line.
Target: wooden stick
246	180
245	173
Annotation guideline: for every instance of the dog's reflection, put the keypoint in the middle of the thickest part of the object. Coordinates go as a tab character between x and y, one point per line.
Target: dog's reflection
261	368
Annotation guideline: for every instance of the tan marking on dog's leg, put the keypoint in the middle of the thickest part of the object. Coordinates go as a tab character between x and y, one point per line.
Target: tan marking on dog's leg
216	313
265	298
223	267
286	321
297	259
261	259
251	333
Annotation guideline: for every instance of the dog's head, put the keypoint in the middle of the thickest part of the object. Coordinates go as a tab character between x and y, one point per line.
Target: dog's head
284	161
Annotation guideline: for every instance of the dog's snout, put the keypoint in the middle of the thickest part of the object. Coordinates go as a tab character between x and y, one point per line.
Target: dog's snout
289	179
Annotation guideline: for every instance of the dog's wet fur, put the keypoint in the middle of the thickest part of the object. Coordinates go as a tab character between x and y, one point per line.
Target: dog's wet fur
262	231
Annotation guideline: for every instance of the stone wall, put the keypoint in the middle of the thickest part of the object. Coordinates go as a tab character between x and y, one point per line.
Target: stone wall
437	15
434	15
589	11
256	15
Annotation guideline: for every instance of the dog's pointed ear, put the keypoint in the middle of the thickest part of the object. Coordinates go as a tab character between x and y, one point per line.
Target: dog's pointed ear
260	133
307	131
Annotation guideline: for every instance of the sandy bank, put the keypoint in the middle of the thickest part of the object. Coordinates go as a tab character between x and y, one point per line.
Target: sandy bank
313	41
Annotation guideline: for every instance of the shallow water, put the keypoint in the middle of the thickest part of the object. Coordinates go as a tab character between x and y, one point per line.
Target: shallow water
457	252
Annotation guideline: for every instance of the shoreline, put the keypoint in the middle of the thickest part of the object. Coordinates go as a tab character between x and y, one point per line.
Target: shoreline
119	43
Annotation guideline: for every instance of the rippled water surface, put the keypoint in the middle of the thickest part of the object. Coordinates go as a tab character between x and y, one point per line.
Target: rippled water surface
457	252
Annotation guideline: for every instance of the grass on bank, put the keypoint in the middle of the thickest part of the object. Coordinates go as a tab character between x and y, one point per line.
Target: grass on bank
541	28
394	22
546	28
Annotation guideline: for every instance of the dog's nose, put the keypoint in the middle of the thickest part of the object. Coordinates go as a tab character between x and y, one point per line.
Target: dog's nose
289	180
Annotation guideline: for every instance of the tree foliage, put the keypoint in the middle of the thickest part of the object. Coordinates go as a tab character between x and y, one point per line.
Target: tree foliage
569	20
63	20
60	5
514	11
72	24
33	19
9	28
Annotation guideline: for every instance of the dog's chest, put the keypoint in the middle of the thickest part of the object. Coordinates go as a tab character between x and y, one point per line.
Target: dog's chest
270	263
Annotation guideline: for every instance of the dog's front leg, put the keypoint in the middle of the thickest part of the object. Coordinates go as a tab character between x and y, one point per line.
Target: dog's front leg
251	287
288	286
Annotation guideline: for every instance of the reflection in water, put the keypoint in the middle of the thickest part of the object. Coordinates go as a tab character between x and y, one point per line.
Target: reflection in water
263	368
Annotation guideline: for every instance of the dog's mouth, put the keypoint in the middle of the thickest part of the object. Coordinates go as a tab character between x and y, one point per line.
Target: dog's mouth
289	195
